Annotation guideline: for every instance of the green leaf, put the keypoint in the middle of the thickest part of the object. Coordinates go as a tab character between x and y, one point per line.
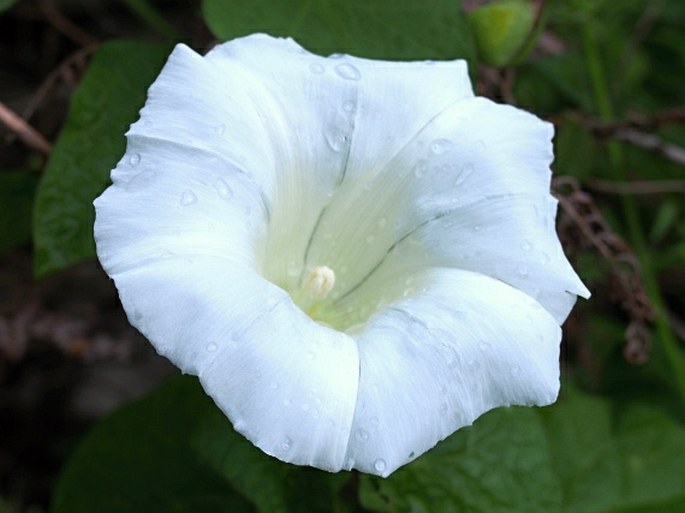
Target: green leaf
577	456
90	144
140	461
501	464
502	29
17	189
274	486
6	4
402	29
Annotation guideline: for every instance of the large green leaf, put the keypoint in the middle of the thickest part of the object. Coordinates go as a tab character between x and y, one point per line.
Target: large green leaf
401	29
90	144
140	461
501	464
577	456
6	4
274	486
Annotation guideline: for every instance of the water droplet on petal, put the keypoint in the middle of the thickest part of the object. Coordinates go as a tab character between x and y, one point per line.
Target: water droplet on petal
348	71
515	370
336	139
220	129
476	228
526	245
484	346
287	443
286	402
134	159
310	355
222	189
348	106
379	465
316	68
362	435
188	198
544	258
211	347
370	239
440	146
382	222
420	169
522	269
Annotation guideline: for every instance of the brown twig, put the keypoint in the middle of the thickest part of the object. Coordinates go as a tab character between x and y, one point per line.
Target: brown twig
653	143
637	187
29	135
75	60
64	25
581	214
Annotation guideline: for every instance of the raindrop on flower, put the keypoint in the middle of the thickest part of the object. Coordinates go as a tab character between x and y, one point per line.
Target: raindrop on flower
526	245
440	146
348	106
211	347
370	239
222	189
522	269
220	129
382	222
188	198
287	443
362	435
348	71
336	138
134	159
379	465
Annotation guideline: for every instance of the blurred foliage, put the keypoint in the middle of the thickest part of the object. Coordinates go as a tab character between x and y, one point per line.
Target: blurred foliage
609	75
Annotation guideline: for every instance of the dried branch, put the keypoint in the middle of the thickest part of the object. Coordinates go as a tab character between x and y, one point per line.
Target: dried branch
581	215
652	143
64	25
638	186
29	135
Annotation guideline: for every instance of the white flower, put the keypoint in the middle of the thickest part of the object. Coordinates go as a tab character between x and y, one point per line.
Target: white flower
356	257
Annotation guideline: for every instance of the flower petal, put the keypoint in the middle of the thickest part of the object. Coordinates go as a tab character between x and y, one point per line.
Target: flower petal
287	383
470	191
433	363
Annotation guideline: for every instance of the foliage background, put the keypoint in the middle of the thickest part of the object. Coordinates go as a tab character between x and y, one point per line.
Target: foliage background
608	74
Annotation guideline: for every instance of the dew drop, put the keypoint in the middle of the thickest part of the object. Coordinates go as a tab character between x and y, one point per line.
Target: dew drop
222	189
382	222
440	146
286	402
220	129
544	258
526	245
134	159
476	228
336	139
379	465
310	355
348	106
287	443
484	346
362	435
443	408
375	422
316	68
188	198
348	71
211	347
522	269
515	370
370	239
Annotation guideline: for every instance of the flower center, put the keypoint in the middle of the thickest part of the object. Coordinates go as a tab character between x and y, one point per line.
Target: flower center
314	289
319	282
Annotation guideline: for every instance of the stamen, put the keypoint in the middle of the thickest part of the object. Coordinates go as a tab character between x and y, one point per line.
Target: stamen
319	282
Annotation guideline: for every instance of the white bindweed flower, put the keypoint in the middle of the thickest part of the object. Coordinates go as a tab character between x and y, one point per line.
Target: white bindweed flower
356	257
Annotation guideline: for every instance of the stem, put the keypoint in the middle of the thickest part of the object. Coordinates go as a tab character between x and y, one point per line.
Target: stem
605	110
